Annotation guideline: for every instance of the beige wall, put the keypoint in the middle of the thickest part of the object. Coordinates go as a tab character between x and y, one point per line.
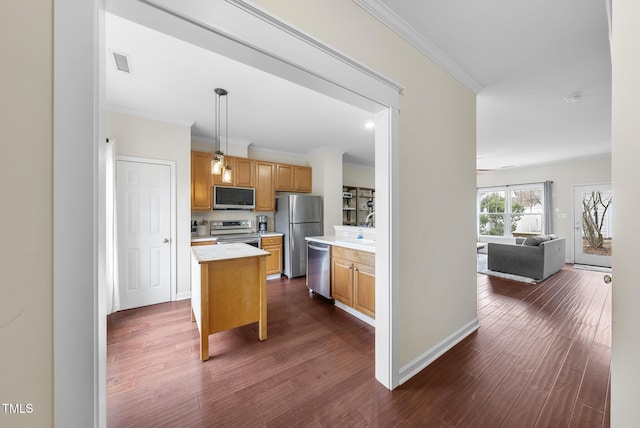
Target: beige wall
154	139
625	371
564	175
437	130
26	332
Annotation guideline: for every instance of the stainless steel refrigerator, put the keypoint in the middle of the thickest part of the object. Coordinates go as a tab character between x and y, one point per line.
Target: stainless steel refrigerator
297	216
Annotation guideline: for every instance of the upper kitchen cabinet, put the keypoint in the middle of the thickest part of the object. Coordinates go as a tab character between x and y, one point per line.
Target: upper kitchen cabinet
242	173
293	178
302	179
265	186
200	181
284	177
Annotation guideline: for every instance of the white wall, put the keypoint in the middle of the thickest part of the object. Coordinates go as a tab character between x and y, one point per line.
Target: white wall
625	371
236	147
277	156
327	181
564	176
154	139
437	287
358	175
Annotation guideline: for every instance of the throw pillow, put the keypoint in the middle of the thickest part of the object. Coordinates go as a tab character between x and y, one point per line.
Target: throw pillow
531	241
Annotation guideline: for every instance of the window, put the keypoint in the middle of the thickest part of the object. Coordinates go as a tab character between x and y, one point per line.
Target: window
511	210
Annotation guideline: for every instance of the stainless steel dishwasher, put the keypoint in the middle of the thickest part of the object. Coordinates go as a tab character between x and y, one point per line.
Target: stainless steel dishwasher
319	268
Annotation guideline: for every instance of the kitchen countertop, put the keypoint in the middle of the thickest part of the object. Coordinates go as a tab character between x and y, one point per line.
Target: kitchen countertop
214	253
215	237
367	245
270	234
203	238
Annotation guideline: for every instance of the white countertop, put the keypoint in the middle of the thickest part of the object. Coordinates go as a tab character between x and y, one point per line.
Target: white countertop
213	253
270	234
203	238
367	245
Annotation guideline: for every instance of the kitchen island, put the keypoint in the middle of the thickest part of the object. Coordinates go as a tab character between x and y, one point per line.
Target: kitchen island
228	289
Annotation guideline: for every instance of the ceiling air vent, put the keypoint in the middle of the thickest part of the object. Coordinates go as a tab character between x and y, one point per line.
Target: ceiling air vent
122	62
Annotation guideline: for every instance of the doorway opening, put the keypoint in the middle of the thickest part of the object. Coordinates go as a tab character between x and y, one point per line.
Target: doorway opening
341	79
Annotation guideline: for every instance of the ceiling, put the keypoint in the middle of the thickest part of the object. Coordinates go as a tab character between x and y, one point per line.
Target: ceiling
522	58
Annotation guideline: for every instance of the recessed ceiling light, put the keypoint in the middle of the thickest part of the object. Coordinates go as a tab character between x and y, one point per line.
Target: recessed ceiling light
369	125
573	98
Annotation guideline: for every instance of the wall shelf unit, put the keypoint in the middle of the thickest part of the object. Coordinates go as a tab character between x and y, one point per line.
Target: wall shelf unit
357	204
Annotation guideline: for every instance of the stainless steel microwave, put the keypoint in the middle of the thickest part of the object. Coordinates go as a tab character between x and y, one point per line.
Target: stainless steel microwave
233	198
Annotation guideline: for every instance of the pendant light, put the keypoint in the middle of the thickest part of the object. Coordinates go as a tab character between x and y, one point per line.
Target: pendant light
226	169
217	162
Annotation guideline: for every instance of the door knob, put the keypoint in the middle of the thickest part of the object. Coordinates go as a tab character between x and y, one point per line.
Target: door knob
165	240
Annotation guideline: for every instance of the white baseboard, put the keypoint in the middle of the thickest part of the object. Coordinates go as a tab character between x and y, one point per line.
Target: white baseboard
415	366
356	313
183	296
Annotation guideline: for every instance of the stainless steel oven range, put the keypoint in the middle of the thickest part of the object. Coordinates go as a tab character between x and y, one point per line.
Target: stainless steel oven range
226	231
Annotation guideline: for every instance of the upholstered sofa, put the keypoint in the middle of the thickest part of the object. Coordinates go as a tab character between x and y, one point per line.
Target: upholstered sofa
538	257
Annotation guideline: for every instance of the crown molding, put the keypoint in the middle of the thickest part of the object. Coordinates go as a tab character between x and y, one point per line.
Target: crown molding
263	15
381	12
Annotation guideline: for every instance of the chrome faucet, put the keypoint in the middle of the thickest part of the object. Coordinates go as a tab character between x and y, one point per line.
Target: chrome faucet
371	214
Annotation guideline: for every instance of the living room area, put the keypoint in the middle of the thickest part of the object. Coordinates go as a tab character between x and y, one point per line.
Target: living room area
553	203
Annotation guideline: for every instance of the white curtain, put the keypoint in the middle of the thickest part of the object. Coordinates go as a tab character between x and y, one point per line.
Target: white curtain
111	235
548	209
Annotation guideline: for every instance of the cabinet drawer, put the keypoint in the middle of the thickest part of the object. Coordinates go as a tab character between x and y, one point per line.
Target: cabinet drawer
356	256
271	240
209	242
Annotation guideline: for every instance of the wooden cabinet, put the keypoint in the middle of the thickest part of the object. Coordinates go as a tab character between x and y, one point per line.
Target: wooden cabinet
212	241
243	172
293	178
342	280
265	177
353	279
201	181
265	186
284	177
302	179
364	289
273	245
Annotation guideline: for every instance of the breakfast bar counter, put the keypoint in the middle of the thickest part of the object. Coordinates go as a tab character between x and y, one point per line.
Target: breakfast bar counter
228	289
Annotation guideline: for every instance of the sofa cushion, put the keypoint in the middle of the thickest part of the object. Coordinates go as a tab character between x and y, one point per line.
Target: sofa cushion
534	241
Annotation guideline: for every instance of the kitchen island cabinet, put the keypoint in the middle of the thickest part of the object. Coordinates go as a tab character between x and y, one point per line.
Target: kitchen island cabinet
273	245
228	289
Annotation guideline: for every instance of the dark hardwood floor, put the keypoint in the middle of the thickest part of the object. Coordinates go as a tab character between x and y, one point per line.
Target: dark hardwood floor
540	358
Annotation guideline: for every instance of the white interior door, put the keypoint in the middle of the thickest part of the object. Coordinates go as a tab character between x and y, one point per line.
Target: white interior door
593	225
143	196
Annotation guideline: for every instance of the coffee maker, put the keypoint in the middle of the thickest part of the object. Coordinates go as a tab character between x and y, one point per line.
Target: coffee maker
261	221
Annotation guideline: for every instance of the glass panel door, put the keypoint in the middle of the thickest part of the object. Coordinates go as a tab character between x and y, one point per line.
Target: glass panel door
593	224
